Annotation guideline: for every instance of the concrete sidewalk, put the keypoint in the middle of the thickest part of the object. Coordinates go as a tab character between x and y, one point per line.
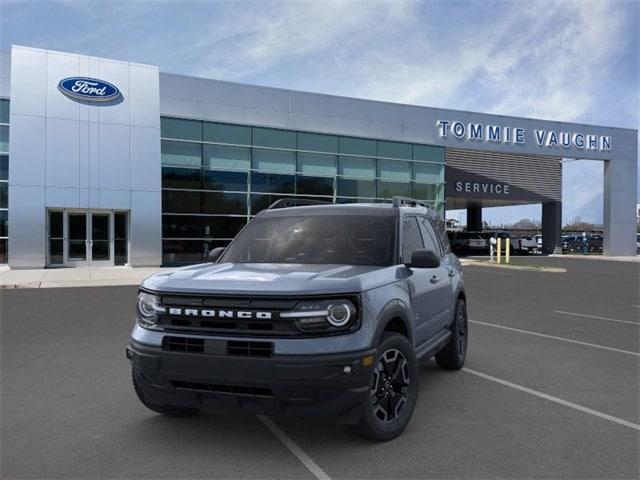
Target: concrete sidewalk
74	277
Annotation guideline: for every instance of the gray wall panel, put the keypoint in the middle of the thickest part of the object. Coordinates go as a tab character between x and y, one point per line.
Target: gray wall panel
82	155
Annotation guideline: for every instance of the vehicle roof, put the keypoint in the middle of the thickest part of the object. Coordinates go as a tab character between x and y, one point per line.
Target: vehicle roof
368	209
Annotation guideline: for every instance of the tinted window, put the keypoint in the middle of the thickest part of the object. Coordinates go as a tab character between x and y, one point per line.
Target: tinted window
318	239
217	180
314	185
431	241
411	238
272	183
174	177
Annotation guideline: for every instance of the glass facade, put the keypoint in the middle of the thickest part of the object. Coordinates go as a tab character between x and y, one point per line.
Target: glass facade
4	179
216	176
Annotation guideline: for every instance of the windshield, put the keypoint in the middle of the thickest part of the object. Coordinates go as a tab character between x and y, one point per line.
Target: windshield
332	239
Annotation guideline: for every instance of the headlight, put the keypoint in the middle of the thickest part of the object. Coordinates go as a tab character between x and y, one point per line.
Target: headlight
148	308
323	315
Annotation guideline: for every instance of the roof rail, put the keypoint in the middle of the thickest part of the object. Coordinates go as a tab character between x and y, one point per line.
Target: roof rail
295	202
408	202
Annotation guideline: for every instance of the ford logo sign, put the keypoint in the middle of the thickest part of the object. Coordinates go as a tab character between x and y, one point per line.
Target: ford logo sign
89	89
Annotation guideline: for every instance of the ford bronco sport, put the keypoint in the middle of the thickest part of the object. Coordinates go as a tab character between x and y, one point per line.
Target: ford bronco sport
311	310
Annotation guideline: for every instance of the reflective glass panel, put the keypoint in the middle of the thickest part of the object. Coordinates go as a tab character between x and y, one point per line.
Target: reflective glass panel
224	133
428	172
272	183
4	223
4	167
227	158
182	129
394	150
391	189
174	201
317	164
358	146
217	180
180	153
4	195
4	111
274	161
393	170
218	202
356	188
428	153
4	139
271	137
317	143
173	177
357	167
314	185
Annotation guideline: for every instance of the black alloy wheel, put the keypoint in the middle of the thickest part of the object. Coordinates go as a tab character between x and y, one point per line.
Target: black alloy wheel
390	387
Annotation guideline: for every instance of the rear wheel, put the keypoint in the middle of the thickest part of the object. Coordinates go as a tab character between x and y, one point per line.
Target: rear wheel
169	410
453	355
393	390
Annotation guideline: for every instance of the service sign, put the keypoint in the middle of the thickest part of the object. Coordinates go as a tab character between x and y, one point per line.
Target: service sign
88	89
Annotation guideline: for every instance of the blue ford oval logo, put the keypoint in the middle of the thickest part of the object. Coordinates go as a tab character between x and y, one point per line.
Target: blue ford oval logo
90	89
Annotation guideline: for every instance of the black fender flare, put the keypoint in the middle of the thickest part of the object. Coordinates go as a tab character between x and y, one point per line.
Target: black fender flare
394	309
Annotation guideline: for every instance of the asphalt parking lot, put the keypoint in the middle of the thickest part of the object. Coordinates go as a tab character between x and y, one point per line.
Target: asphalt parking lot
551	390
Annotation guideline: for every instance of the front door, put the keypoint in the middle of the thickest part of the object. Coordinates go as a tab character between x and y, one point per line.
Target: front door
83	238
100	239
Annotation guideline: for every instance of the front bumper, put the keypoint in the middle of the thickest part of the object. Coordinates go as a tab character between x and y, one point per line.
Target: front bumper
332	385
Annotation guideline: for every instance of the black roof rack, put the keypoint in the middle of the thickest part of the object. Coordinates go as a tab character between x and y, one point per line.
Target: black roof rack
408	202
296	202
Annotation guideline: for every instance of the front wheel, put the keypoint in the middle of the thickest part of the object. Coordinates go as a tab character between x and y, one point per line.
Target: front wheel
453	355
393	391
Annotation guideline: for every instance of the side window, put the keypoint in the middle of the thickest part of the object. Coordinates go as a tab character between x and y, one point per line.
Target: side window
431	241
411	238
441	230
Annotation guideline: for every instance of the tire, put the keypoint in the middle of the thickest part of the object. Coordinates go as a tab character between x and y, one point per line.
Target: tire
169	410
389	407
454	353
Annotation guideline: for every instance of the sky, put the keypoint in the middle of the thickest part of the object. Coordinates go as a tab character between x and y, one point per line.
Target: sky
574	61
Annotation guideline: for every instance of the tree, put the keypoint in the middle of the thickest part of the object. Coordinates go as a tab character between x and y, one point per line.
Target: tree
576	224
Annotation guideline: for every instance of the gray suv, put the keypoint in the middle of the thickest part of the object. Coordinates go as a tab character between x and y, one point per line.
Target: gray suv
313	309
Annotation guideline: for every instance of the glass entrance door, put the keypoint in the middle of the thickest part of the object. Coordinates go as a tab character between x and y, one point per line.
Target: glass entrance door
77	239
82	238
100	242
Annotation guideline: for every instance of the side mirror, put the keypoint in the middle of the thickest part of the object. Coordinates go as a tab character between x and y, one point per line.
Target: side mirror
215	253
424	259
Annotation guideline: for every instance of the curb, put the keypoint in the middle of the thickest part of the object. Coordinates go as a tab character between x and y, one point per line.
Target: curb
476	263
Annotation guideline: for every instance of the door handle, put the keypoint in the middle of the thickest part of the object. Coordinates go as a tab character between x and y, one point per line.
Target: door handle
434	279
452	273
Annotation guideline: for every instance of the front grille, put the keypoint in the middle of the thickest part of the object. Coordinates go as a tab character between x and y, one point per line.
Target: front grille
224	389
217	347
227	316
250	349
183	344
274	326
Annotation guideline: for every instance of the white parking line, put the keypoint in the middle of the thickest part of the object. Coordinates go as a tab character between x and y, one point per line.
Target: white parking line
562	339
608	319
551	398
295	449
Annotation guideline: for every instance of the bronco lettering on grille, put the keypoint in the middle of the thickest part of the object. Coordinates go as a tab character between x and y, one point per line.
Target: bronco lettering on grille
240	314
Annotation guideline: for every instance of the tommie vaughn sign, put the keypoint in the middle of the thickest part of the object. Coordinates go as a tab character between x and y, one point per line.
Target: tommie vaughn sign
517	135
88	89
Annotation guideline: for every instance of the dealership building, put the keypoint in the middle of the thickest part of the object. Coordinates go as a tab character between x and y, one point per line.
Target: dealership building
106	162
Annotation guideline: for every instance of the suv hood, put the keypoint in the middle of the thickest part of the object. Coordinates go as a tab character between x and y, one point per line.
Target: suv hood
271	279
